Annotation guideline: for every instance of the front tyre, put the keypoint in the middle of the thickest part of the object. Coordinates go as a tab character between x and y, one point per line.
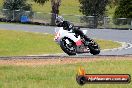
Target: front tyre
94	47
68	46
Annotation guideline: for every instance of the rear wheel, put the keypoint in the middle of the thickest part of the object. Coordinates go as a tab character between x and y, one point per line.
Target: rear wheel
68	46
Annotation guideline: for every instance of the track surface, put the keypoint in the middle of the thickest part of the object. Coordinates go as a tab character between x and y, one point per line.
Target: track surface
108	34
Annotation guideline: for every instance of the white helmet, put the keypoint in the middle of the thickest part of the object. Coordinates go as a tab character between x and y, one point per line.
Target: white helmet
59	20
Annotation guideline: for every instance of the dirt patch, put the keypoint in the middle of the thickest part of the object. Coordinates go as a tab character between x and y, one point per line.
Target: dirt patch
34	62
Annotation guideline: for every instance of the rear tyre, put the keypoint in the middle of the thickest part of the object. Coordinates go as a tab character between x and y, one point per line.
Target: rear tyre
68	46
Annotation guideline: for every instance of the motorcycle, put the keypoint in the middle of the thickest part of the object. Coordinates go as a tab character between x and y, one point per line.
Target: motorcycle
73	44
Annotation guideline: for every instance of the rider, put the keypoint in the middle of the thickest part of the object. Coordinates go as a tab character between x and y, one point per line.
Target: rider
68	26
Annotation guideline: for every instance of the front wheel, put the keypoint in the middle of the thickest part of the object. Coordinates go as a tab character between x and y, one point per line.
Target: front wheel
93	46
68	46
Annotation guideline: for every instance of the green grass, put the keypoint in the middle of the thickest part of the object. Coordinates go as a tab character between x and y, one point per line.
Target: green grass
61	76
17	43
67	7
22	43
107	44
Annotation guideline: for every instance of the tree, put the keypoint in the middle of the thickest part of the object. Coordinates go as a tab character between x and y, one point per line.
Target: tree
124	9
13	9
55	4
113	3
94	8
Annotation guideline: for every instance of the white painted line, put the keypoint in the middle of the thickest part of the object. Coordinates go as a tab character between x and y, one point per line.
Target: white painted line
130	46
124	45
48	54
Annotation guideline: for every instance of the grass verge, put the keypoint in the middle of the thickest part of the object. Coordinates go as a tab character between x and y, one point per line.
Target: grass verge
25	43
17	43
62	75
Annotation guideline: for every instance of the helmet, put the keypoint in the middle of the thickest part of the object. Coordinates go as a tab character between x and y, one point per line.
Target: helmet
59	20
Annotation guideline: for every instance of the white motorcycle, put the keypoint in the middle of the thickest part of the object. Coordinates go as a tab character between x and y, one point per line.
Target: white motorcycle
73	44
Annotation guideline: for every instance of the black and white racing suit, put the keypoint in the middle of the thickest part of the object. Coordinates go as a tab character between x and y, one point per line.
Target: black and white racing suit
68	26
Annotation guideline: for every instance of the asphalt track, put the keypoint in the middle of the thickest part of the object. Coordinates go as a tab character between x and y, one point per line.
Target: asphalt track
124	36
